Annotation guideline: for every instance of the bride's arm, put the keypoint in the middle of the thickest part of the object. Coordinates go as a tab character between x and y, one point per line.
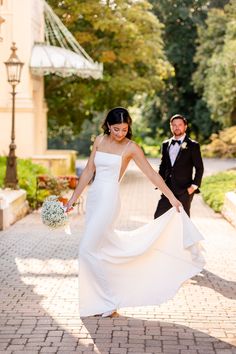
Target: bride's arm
85	177
141	161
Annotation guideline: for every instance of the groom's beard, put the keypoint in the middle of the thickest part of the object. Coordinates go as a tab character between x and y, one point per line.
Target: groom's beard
178	134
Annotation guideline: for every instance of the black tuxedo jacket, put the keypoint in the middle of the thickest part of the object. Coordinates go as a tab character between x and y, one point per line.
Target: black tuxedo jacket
187	168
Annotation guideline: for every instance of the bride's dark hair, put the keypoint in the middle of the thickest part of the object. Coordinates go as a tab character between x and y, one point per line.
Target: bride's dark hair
117	115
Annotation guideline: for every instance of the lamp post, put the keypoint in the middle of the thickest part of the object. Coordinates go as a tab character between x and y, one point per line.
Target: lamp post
14	67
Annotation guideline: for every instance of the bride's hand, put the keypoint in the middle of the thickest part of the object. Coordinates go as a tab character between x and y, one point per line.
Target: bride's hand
176	203
69	205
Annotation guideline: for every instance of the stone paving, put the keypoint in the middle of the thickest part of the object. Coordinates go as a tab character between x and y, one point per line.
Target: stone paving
39	290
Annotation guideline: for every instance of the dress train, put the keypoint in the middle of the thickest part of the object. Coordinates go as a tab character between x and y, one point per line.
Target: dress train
141	267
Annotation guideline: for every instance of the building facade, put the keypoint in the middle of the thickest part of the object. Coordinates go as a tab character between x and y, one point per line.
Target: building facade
22	22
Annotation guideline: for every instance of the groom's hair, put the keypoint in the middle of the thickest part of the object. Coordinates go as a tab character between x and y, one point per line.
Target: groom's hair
179	116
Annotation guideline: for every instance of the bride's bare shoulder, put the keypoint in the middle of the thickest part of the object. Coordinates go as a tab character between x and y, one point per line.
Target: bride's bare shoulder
98	139
134	148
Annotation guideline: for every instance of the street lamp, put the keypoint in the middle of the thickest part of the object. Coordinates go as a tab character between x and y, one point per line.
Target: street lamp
14	67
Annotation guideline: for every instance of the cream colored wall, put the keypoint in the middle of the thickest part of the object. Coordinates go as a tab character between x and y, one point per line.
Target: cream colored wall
23	25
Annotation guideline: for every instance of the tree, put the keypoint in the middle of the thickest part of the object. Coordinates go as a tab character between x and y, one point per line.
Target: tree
215	75
126	37
181	19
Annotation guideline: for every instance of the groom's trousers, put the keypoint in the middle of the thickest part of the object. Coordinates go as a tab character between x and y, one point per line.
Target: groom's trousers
164	204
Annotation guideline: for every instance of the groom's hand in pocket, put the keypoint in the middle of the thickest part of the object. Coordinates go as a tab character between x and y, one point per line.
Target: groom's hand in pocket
191	189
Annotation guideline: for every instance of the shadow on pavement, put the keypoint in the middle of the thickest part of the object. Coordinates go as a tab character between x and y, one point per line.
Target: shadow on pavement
39	305
208	279
150	336
28	293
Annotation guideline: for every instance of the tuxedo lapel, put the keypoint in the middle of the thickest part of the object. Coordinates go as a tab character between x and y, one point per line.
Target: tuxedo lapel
168	151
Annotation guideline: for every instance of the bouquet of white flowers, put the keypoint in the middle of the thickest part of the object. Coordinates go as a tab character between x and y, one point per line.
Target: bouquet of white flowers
53	212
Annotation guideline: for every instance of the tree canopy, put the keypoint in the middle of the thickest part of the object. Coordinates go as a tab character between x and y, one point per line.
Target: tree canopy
127	38
215	76
165	56
181	20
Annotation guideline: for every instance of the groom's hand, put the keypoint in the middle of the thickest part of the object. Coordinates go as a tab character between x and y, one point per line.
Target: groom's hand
191	189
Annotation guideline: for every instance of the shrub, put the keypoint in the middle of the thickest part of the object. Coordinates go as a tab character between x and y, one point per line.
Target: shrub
54	185
151	150
214	188
27	172
222	144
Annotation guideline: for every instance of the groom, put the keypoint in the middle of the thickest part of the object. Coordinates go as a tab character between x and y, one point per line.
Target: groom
181	166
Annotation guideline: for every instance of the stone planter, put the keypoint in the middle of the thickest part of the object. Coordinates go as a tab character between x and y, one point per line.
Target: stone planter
13	206
229	208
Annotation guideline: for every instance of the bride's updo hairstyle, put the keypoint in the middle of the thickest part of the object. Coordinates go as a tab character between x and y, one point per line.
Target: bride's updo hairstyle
117	115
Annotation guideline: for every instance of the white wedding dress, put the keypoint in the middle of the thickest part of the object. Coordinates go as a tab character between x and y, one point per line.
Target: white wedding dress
142	267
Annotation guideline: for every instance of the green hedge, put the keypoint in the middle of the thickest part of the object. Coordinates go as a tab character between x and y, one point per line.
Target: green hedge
27	172
214	188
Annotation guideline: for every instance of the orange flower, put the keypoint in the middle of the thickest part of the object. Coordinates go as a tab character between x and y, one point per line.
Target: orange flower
64	201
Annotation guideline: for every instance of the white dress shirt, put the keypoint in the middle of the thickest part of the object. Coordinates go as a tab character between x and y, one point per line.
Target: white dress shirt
174	149
173	152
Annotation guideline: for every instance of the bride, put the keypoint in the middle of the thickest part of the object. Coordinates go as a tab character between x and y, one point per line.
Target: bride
141	267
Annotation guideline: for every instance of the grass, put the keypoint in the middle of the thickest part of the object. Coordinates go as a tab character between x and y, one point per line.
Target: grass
215	187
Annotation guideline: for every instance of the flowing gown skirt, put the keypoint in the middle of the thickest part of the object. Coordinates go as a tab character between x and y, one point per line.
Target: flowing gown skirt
142	267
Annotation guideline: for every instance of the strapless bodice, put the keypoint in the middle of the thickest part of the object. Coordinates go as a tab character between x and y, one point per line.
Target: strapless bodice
107	166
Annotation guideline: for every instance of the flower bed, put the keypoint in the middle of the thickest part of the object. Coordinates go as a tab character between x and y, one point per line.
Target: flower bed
53	185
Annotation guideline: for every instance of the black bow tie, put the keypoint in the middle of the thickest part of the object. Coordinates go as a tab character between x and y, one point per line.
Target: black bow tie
173	141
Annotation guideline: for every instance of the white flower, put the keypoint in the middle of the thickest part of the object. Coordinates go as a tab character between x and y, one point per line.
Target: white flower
184	145
53	213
